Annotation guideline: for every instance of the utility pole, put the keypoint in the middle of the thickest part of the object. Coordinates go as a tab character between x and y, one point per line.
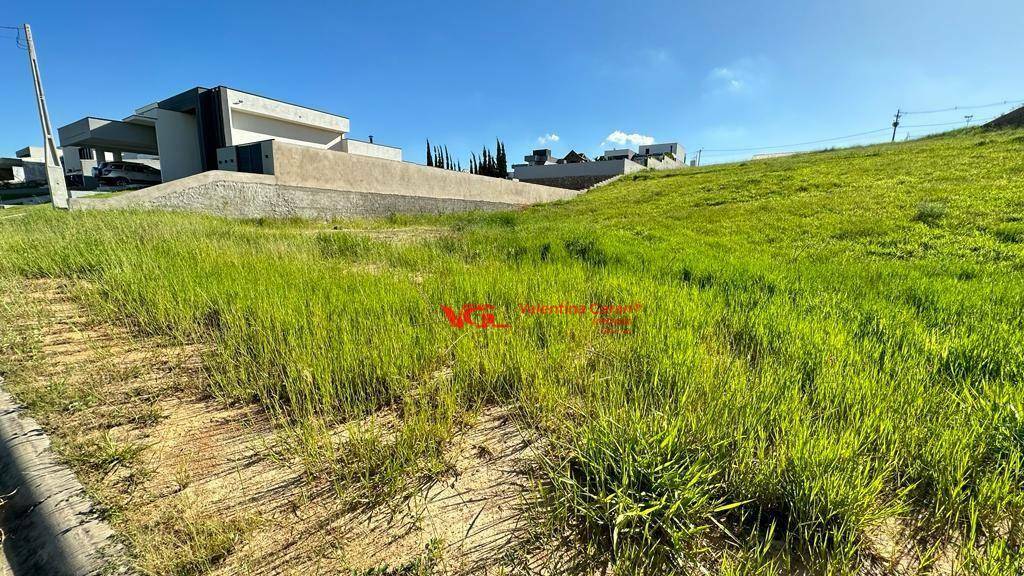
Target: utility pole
698	156
54	171
968	118
895	124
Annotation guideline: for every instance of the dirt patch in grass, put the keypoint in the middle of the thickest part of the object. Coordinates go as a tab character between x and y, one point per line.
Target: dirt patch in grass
195	486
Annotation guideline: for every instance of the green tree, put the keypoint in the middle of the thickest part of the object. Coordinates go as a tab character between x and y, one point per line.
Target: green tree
502	161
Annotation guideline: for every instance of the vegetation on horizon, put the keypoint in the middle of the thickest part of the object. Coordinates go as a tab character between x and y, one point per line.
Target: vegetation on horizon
826	375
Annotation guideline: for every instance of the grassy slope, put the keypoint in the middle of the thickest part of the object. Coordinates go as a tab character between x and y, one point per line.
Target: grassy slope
828	342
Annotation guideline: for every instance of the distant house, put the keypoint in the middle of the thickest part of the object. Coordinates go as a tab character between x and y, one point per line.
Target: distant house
624	153
28	165
659	149
576	171
204	129
574	157
540	157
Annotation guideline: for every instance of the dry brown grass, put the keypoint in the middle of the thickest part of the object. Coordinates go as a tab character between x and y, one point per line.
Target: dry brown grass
196	486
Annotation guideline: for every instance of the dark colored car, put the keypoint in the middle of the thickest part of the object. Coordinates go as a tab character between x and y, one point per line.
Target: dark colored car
126	174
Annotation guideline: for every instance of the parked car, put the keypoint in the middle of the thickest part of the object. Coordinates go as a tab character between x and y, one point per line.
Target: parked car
126	173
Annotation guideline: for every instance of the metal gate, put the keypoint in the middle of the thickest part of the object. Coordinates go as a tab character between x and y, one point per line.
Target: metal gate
250	158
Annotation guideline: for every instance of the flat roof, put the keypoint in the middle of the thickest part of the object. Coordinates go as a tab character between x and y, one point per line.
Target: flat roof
372	143
112	135
185	101
284	102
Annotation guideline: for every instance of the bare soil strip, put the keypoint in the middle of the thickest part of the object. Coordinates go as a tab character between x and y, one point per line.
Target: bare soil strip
195	486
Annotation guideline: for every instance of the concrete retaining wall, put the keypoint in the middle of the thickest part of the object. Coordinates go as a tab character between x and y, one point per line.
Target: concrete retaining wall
306	167
602	169
313	183
572	182
239	195
665	163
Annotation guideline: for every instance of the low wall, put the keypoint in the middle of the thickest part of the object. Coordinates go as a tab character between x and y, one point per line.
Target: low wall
575	176
306	167
311	183
572	182
665	163
240	195
368	149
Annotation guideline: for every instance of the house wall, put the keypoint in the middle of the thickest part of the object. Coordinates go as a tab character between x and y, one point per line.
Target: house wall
251	118
178	141
248	128
34	171
671	147
31	152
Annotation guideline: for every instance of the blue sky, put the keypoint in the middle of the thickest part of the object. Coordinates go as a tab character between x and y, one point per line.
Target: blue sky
717	75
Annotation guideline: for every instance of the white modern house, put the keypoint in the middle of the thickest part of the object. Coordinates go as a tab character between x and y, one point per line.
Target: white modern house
575	171
188	133
28	165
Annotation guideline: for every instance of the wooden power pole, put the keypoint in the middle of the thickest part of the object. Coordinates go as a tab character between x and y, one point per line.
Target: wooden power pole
54	171
895	124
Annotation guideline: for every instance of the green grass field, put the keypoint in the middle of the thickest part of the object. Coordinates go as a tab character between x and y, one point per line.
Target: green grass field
828	364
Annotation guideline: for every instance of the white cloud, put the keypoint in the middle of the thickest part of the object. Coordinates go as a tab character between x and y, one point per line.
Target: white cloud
729	79
552	137
742	76
621	138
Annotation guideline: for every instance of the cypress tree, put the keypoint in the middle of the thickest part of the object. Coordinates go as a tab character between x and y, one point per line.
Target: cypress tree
430	159
502	164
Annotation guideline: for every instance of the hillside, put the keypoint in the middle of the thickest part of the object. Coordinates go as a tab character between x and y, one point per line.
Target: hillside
809	364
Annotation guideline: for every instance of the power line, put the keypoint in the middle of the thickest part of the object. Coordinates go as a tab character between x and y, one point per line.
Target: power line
719	153
948	123
955	108
752	149
18	41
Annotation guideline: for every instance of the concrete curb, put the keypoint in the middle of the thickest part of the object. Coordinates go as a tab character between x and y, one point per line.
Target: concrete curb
48	522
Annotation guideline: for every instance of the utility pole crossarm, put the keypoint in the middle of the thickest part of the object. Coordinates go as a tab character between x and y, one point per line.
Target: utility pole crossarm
54	171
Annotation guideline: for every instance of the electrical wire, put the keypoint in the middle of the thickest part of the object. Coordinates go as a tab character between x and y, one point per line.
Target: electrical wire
733	152
955	108
752	149
719	152
17	36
